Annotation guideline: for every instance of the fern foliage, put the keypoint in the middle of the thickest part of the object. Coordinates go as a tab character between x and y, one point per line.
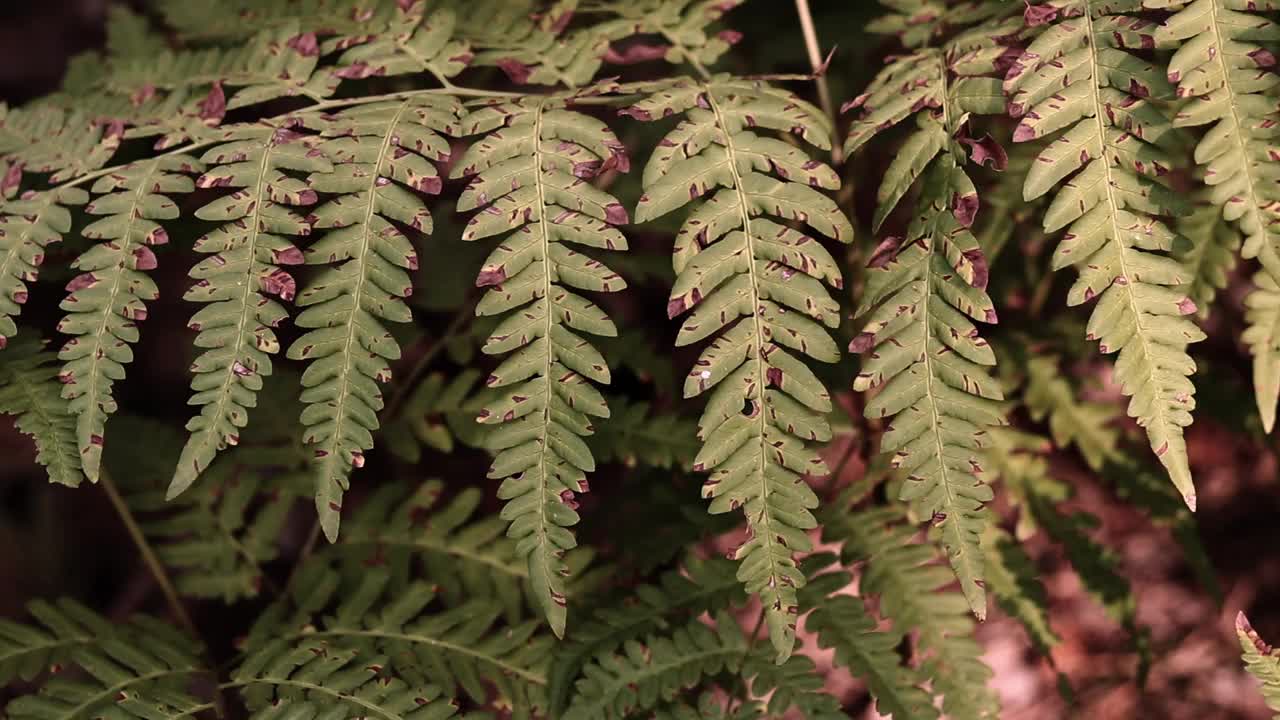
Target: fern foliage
1261	660
1081	76
529	180
756	286
924	290
28	225
107	300
30	391
382	156
137	670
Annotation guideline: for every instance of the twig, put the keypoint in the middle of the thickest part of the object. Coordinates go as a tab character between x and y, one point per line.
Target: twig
819	74
148	555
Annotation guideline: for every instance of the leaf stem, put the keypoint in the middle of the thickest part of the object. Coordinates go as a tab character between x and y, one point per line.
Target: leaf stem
148	555
402	393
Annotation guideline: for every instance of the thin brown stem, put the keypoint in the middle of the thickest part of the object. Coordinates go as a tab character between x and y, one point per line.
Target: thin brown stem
148	555
402	392
819	76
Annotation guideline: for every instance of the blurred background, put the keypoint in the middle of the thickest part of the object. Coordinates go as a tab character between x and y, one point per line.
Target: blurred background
55	541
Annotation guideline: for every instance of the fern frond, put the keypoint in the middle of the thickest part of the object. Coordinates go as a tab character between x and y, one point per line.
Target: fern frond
438	414
530	182
709	706
842	623
47	139
468	557
217	540
239	277
1090	426
225	20
701	586
1261	660
307	677
1080	76
1262	312
756	285
1222	66
106	301
140	670
381	152
1012	579
795	685
636	435
1210	258
920	346
905	576
461	650
28	225
917	23
656	668
411	41
29	390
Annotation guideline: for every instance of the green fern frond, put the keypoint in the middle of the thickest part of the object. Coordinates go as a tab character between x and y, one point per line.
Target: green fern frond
129	34
140	670
307	677
461	650
1211	256
1080	76
46	139
217	541
468	557
756	285
1012	579
106	301
708	707
701	586
917	23
529	179
411	41
920	347
659	667
1262	312
1261	660
28	225
795	685
1221	66
843	624
1090	426
30	391
907	579
237	280
636	435
438	414
381	153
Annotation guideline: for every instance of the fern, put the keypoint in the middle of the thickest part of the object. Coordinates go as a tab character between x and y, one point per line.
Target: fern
529	179
739	269
379	152
1080	76
456	650
635	434
908	584
1012	579
107	299
28	225
1263	337
30	392
1087	425
701	586
920	22
410	531
1210	259
659	667
920	348
140	670
243	270
307	678
843	624
1261	660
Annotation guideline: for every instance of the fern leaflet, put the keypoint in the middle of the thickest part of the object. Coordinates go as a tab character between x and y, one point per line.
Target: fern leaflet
529	180
28	225
1261	660
758	284
29	390
1079	76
